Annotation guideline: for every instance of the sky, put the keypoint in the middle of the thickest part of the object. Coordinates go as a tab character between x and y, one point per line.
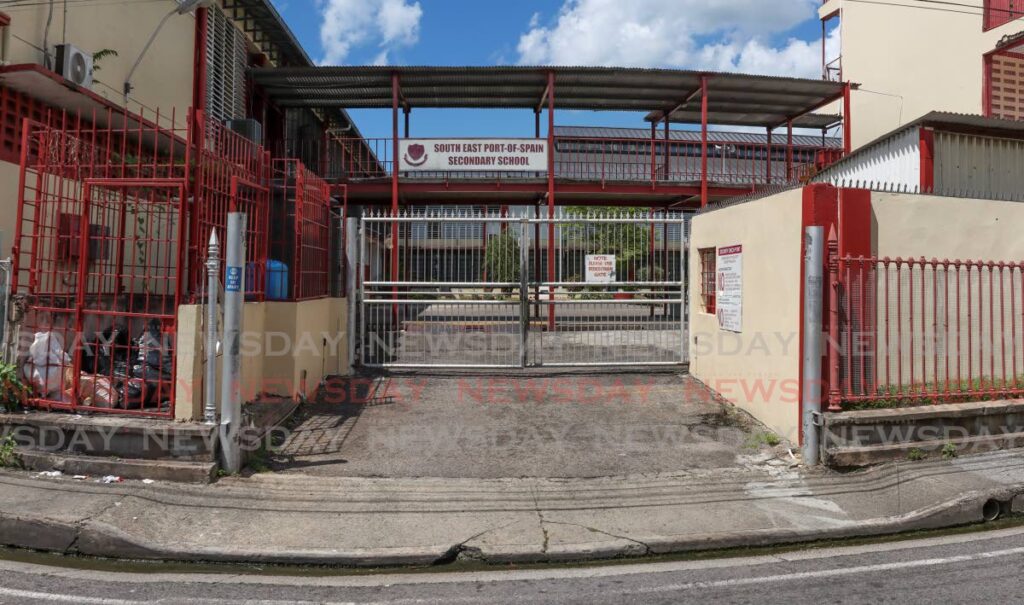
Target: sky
775	37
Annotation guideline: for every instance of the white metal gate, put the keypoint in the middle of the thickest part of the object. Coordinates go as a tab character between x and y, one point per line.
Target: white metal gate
482	290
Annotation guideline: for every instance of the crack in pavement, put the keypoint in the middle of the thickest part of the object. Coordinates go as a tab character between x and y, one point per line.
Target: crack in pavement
646	547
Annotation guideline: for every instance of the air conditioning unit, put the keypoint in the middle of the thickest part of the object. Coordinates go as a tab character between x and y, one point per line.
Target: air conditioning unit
75	65
250	129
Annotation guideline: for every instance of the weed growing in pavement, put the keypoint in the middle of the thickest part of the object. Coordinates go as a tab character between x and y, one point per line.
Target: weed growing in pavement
763	438
915	454
12	389
949	451
8	457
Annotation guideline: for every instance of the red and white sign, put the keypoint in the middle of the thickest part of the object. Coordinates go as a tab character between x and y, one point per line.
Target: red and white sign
600	268
479	155
729	288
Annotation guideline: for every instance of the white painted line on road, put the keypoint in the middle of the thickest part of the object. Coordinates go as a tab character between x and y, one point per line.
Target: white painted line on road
831	573
79	600
454	577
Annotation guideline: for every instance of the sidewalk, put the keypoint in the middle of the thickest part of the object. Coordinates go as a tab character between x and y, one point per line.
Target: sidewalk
353	521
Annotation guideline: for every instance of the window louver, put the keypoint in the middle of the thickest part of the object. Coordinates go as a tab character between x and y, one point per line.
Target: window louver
226	60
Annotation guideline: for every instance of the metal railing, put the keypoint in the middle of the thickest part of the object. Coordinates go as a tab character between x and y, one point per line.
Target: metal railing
484	291
596	159
913	331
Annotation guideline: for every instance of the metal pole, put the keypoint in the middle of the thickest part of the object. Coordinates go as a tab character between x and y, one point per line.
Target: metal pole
351	227
814	255
212	285
524	298
703	141
231	386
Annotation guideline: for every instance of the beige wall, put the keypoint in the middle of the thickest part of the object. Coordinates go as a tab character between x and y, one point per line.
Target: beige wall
8	206
946	227
164	78
287	348
911	60
758	369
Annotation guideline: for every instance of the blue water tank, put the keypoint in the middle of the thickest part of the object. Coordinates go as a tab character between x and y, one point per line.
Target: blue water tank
277	280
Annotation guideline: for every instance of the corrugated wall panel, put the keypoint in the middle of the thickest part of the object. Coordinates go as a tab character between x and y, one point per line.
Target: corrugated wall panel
892	164
979	166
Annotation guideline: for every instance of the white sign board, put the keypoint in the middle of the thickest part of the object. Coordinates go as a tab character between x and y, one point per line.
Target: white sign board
600	268
729	288
482	155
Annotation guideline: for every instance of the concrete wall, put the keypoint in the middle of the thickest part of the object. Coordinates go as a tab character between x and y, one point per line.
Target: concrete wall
912	59
946	227
287	348
757	369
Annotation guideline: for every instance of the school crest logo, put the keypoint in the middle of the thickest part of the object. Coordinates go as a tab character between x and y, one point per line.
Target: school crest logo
416	155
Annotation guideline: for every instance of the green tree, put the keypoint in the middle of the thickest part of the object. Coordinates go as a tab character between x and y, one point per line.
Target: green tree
629	242
502	258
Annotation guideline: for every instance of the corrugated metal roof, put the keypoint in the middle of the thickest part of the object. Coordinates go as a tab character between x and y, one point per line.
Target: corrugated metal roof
937	120
735	99
718	136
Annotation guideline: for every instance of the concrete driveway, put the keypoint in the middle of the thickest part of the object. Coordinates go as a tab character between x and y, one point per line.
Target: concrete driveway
514	425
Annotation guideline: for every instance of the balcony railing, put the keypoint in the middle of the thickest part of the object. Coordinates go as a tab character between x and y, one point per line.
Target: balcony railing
590	159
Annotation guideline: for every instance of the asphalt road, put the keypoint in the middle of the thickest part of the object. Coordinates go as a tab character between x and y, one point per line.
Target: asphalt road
981	567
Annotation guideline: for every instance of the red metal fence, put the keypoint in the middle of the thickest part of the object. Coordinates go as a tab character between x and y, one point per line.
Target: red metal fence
98	259
912	331
300	234
231	174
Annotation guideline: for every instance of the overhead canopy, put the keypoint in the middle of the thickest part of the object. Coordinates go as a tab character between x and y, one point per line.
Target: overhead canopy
733	99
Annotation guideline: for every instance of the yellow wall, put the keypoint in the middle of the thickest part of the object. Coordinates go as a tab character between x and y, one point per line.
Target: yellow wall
758	369
282	344
947	227
164	77
912	59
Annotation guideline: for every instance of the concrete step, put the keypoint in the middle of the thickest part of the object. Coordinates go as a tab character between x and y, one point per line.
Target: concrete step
126	468
112	436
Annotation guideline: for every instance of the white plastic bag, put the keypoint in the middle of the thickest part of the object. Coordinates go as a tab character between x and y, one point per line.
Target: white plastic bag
46	362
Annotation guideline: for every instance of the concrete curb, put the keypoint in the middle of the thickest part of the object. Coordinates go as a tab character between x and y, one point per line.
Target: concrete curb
100	539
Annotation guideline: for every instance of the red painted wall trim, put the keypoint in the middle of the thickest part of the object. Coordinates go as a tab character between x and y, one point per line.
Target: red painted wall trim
927	138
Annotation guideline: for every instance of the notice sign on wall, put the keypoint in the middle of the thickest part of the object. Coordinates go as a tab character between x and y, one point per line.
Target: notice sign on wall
600	268
729	288
484	155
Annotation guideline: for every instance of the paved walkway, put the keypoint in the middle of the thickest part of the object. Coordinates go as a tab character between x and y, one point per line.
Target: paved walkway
292	518
566	424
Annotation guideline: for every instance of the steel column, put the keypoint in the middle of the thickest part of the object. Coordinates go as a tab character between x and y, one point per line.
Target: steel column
789	151
847	122
666	151
703	141
768	163
551	197
394	188
654	153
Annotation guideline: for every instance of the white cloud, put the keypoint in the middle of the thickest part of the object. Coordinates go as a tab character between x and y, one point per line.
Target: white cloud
726	36
348	24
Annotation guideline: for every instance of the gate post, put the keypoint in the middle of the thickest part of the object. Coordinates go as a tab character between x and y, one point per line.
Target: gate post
350	226
833	322
524	297
684	288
